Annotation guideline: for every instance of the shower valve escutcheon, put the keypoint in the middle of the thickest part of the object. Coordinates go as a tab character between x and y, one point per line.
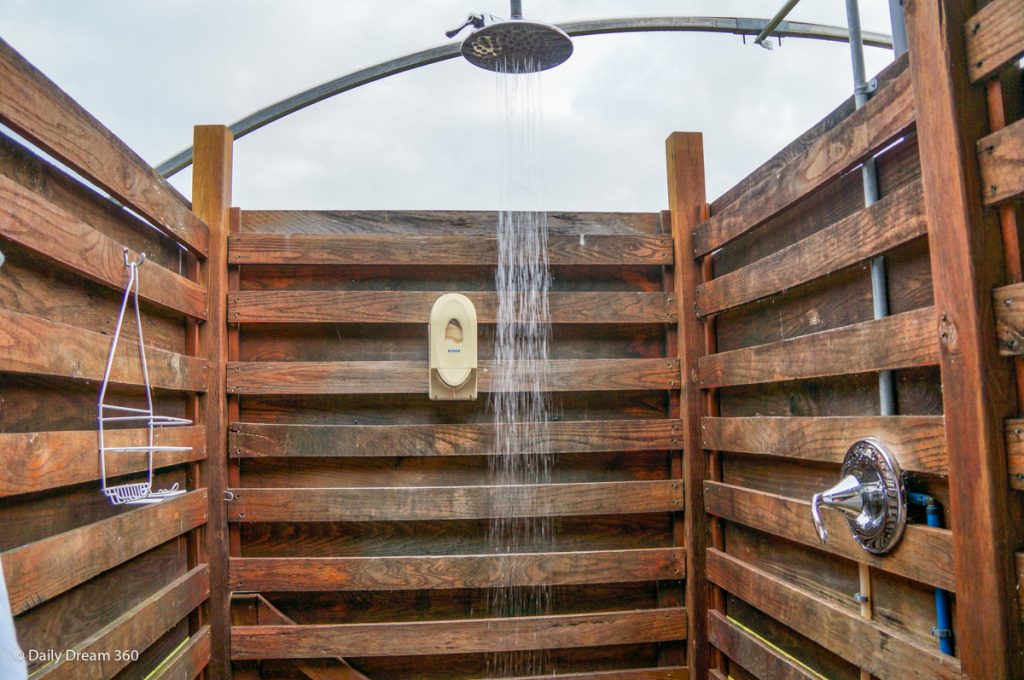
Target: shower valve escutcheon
871	496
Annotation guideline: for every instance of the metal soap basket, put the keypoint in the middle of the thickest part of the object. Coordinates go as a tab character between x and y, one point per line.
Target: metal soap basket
133	493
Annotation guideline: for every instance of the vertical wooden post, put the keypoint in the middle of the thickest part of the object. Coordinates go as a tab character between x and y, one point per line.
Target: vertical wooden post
966	263
211	201
686	195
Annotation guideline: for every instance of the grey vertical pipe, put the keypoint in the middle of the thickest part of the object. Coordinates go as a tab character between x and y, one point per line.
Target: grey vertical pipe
899	27
517	9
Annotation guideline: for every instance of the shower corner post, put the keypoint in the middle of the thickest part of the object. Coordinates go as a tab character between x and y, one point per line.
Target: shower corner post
964	242
687	205
211	202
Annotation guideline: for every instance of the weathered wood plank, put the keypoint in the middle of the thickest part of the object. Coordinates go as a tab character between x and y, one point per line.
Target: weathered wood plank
995	37
42	227
136	629
1001	160
909	341
261	440
40	111
888	115
924	553
450	249
1009	309
918	442
189	661
44	569
37	461
752	653
894	220
454	502
459	636
881	650
410	377
663	673
1015	451
414	307
261	574
36	346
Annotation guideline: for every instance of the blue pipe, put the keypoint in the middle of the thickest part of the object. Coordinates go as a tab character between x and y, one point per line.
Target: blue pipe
943	628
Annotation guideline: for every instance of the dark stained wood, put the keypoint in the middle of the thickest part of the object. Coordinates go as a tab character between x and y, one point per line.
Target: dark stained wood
881	650
1001	158
410	377
468	502
38	110
976	383
665	673
894	220
42	227
900	341
994	37
460	636
257	440
37	461
888	115
42	570
36	346
924	553
753	653
1009	310
136	629
337	668
918	442
189	661
413	249
455	571
366	307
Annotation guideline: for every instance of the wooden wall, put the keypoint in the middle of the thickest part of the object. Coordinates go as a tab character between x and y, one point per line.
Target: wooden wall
127	585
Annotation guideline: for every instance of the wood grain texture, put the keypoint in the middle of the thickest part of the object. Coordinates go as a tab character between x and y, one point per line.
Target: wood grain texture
1001	159
189	661
994	37
37	461
36	346
137	628
918	442
455	571
44	569
410	377
447	503
459	636
366	307
40	111
665	673
924	553
413	249
894	220
881	650
1008	302
58	235
1015	451
260	440
888	114
753	653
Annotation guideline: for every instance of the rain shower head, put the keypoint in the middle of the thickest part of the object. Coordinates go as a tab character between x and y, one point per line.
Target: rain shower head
515	46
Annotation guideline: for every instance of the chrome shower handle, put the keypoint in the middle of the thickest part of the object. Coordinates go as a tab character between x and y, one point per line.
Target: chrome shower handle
848	497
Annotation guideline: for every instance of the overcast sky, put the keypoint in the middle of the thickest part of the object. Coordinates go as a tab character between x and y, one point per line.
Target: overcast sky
426	139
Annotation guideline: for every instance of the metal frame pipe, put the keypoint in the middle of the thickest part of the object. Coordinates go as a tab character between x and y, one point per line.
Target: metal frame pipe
775	21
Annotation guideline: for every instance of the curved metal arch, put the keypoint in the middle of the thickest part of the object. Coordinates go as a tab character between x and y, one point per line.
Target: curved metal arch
734	25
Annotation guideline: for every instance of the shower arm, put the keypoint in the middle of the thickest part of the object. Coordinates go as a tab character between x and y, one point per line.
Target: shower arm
516	9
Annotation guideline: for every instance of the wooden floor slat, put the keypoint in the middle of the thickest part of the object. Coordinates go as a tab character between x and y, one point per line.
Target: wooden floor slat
662	673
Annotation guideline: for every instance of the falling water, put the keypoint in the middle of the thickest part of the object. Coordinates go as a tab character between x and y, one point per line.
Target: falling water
519	403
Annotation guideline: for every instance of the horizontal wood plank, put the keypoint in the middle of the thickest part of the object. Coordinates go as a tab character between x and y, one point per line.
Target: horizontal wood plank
995	37
1001	159
900	341
924	554
95	659
264	440
410	377
34	223
189	661
889	114
414	307
918	442
261	574
894	220
431	250
37	461
1015	452
36	346
459	636
1009	307
663	673
881	650
44	569
453	502
40	111
752	653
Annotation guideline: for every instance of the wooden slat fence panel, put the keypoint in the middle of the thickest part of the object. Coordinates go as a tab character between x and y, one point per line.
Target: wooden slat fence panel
995	37
1001	160
753	654
189	661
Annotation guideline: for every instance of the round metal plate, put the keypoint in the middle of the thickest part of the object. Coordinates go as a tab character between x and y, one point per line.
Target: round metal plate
517	46
879	526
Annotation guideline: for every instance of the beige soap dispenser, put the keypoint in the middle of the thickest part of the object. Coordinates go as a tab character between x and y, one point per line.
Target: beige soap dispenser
453	348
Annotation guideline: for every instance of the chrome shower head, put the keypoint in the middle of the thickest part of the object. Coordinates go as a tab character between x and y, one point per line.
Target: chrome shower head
514	46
